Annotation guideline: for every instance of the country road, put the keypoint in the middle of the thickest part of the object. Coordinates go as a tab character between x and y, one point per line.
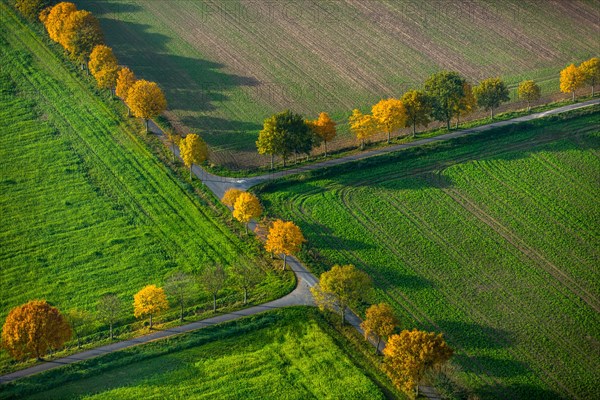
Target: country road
301	294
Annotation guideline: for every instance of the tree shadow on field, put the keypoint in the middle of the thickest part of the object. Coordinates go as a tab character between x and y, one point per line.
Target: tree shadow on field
322	239
389	278
472	336
518	391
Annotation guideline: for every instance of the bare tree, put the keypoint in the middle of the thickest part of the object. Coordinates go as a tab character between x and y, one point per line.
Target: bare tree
109	310
245	277
212	280
179	286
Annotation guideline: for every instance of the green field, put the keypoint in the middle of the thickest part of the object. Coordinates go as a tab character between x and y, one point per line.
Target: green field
86	208
492	239
284	354
226	65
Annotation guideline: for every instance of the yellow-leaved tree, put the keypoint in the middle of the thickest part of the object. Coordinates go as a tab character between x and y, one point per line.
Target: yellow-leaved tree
409	355
80	34
246	207
418	108
390	115
55	19
149	301
571	79
590	71
341	287
146	100
193	150
324	127
465	104
284	238
104	67
362	125
230	196
33	328
125	80
529	91
379	323
30	9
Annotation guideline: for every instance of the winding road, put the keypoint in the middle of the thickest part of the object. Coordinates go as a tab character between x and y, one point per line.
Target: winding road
301	294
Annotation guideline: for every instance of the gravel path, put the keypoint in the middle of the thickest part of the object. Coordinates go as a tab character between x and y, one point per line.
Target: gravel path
301	294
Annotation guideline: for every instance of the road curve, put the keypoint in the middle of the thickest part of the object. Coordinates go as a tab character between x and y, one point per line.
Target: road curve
301	294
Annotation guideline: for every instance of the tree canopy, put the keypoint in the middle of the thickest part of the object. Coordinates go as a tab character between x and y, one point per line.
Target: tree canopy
362	125
418	109
571	79
103	66
146	100
529	91
590	72
341	287
33	328
80	34
379	323
284	134
446	89
109	310
284	238
231	196
213	279
390	115
30	9
324	127
490	93
149	301
246	207
193	150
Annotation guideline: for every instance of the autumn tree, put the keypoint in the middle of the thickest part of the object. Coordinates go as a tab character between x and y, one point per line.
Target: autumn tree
55	19
284	238
109	310
490	93
324	127
246	207
213	280
244	277
193	150
571	79
125	80
341	287
590	72
80	34
179	286
409	355
466	104
30	9
103	67
362	125
230	196
149	301
80	321
390	115
445	90
174	140
418	108
379	323
146	100
529	91
284	134
33	328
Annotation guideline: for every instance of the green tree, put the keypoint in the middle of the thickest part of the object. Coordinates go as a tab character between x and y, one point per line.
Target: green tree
110	309
445	90
529	91
284	134
341	287
418	109
490	93
80	321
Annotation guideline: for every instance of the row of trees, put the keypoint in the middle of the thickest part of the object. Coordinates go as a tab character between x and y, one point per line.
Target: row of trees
574	77
407	355
30	330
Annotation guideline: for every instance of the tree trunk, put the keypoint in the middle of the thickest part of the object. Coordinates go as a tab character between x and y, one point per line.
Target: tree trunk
592	90
362	144
457	121
492	112
245	295
272	161
284	260
246	228
414	128
448	123
146	121
284	161
214	302
343	310
173	150
388	137
573	92
150	321
181	313
528	105
326	140
377	347
78	339
111	331
417	390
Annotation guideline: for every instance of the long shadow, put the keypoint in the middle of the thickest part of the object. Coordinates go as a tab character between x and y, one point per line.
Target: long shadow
473	336
518	391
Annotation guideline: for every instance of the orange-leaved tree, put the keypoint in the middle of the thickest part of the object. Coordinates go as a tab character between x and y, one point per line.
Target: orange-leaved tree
284	238
409	355
590	71
149	301
193	150
246	207
146	100
104	67
390	115
55	19
125	80
231	196
32	328
379	323
341	287
418	108
80	34
571	79
529	91
362	125
324	127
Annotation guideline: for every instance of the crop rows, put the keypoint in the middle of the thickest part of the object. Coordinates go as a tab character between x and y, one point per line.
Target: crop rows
493	242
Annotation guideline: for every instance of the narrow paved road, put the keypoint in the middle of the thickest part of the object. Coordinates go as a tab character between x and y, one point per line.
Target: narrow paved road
301	294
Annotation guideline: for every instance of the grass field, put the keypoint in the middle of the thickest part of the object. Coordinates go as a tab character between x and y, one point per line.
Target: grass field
86	208
226	65
491	239
284	354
